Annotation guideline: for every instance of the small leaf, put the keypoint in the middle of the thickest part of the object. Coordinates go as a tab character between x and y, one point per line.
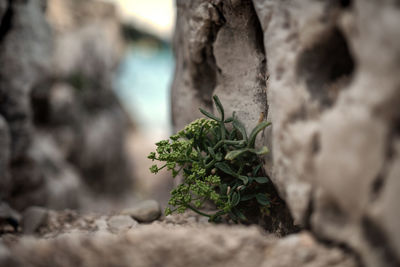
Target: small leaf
261	180
247	197
216	133
239	214
239	126
219	107
234	142
262	199
225	168
256	169
235	153
208	114
211	151
244	179
255	131
235	199
262	151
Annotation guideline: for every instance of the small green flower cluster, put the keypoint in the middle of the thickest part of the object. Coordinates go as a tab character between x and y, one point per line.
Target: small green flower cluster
197	128
218	164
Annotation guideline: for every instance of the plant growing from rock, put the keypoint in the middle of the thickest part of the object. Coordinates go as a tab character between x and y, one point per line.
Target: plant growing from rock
220	164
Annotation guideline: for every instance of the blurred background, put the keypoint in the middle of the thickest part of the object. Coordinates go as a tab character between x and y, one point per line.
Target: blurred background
142	83
87	97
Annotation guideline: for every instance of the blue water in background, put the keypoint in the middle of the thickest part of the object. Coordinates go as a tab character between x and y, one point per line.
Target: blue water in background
143	84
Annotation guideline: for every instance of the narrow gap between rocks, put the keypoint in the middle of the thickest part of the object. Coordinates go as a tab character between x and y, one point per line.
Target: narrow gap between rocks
6	22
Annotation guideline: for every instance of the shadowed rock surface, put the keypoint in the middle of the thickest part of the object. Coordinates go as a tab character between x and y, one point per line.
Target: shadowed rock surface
62	129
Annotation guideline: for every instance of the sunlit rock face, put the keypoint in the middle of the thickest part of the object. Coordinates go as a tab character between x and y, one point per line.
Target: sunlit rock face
325	73
62	130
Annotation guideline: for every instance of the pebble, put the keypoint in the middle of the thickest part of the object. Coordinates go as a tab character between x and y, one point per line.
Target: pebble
145	211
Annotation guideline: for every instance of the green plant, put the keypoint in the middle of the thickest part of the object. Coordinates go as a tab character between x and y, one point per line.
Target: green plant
219	163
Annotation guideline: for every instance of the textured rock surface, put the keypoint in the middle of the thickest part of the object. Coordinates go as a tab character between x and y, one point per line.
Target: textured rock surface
326	72
120	223
178	240
25	42
86	118
219	50
62	130
4	153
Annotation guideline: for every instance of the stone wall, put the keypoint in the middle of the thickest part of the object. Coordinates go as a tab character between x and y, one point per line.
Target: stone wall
62	130
325	73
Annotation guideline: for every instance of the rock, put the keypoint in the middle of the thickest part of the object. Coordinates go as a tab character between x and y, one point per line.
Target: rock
178	245
52	138
33	218
86	118
24	52
101	224
121	223
207	34
65	222
145	211
68	236
25	41
9	216
4	157
313	68
325	111
219	50
4	253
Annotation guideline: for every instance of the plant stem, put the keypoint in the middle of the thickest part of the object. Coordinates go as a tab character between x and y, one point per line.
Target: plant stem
228	142
162	167
198	212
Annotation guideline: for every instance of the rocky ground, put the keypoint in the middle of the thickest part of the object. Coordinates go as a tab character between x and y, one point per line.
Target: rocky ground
68	238
325	73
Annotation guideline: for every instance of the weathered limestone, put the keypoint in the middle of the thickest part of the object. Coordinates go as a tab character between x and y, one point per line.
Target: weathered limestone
213	31
332	94
67	238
